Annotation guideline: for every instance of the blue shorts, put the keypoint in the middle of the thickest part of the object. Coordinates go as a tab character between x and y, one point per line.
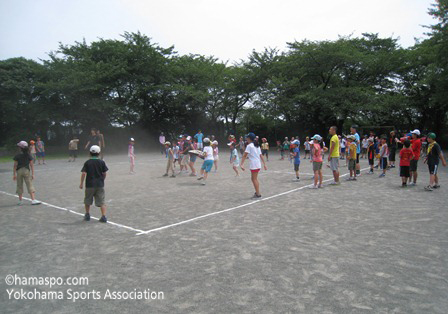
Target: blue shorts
40	154
207	165
193	157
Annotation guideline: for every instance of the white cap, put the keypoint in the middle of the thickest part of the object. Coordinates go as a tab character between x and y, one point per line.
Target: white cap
188	138
95	149
206	140
215	142
416	131
131	139
22	144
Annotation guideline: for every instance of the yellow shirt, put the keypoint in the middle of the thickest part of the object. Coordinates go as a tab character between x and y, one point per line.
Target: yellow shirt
265	146
352	151
335	141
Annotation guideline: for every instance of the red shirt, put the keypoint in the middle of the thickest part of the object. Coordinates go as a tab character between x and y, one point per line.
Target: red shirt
405	157
416	146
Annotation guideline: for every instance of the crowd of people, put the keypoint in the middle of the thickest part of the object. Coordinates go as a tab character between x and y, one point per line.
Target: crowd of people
380	151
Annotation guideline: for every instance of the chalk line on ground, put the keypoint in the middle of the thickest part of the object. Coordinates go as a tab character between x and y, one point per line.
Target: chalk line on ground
76	213
233	208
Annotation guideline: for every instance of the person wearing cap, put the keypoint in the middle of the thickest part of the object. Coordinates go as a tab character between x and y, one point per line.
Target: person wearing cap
371	154
296	156
317	160
170	162
265	148
416	146
253	152
199	136
131	155
94	173
208	161
354	132
333	156
433	156
23	171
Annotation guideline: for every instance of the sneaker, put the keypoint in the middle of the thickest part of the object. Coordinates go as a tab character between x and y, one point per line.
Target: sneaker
200	178
256	196
334	183
370	172
87	217
19	203
428	188
103	219
354	179
36	202
313	187
192	174
436	186
296	180
382	175
348	179
203	182
320	186
412	184
173	176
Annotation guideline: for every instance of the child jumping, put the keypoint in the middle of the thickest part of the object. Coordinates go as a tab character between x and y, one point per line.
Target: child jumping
253	152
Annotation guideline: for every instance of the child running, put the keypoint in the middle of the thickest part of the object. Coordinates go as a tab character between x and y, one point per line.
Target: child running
208	160
296	156
253	152
94	173
234	158
433	156
170	161
131	155
317	159
406	155
24	171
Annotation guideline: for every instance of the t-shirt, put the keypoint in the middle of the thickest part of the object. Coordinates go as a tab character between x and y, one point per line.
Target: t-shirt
392	143
254	156
94	140
169	152
317	152
371	151
405	156
162	139
32	149
353	148
215	151
343	141
131	150
209	153
176	152
335	141
433	153
23	160
73	145
95	168
307	145
296	152
265	146
199	137
40	146
384	151
233	155
365	143
416	146
358	143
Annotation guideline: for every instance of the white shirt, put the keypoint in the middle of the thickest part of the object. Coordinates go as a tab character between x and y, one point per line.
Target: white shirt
209	151
254	156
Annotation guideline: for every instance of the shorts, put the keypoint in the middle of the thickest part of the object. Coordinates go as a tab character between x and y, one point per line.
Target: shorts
185	160
371	161
334	163
73	153
433	168
193	158
200	146
254	170
317	165
392	154
307	151
24	174
264	152
236	164
94	193
296	167
352	164
357	158
404	171
216	158
343	150
414	165
207	165
383	163
363	150
40	154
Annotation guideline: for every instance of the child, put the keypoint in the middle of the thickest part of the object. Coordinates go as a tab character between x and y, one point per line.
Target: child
131	155
317	159
351	157
171	160
296	155
193	158
433	155
307	147
416	146
364	144
384	152
265	148
371	154
286	147
242	145
253	152
40	150
23	164
280	149
234	158
215	154
33	150
343	146
208	160
406	155
94	173
73	149
175	153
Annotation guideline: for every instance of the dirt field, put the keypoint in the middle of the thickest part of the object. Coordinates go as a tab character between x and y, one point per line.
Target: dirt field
362	247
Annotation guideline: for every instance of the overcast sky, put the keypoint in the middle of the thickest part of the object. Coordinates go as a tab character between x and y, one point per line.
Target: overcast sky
227	29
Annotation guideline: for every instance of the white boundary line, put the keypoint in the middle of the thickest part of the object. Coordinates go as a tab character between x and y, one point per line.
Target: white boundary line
76	213
233	208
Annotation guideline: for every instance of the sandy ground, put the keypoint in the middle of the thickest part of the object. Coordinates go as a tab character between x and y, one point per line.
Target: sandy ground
362	247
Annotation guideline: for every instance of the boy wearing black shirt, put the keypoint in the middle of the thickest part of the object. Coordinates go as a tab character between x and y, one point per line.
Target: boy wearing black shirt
434	154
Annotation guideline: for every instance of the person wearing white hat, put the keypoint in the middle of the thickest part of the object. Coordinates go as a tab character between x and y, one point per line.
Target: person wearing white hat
94	174
416	146
131	155
317	160
24	171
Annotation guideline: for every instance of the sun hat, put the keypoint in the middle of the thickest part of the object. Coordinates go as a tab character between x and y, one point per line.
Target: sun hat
95	149
215	142
416	131
432	135
22	144
206	140
317	137
167	143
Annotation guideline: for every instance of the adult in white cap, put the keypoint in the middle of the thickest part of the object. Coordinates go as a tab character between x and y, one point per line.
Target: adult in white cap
416	146
24	171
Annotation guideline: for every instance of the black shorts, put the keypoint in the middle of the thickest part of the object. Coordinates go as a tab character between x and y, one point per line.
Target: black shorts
264	152
357	158
414	165
73	153
392	154
296	167
371	162
405	172
383	163
433	168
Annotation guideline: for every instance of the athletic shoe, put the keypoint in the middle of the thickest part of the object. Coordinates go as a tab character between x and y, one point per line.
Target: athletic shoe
200	178
334	183
370	172
19	203
428	188
354	179
436	186
203	182
382	175
36	202
412	184
165	175
296	180
103	219
313	187
192	174
87	217
256	196
320	186
348	179
173	176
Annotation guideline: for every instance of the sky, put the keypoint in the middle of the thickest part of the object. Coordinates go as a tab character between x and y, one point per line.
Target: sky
227	29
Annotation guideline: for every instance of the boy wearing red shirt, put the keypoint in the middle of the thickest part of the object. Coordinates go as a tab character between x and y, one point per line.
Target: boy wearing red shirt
406	155
416	146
